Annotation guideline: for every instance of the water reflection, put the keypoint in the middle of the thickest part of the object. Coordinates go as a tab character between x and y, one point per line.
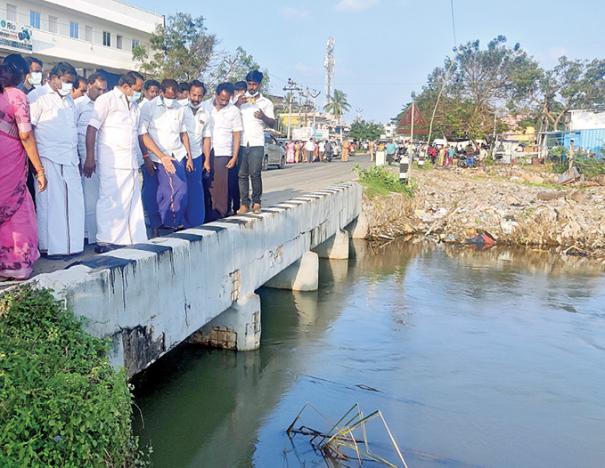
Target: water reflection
476	358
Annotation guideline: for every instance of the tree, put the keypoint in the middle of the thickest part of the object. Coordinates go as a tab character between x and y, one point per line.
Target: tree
477	82
181	50
233	67
362	130
338	104
571	84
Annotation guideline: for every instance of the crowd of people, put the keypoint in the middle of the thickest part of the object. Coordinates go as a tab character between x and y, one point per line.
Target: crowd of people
316	150
112	166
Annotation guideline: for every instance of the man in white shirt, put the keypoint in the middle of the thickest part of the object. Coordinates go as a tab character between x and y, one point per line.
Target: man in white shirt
223	135
151	89
257	113
196	119
96	85
112	150
165	136
60	208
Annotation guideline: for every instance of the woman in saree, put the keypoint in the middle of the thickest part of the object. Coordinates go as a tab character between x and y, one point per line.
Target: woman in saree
18	229
290	152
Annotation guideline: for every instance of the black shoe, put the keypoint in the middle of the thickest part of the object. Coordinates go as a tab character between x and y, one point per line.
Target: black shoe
100	248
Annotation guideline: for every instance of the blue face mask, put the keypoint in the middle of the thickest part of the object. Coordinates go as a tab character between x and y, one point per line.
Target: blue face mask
135	96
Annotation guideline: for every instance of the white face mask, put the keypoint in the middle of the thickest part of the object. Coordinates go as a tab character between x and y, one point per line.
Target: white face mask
169	102
65	89
35	79
183	102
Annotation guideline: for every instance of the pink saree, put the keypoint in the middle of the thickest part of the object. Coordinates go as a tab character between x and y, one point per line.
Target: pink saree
18	230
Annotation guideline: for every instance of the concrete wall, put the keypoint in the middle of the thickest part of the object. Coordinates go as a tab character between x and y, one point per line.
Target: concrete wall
150	297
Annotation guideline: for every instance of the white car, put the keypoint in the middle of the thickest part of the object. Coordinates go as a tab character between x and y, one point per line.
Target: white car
275	154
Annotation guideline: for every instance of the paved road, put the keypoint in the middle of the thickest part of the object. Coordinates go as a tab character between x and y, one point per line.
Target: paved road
278	185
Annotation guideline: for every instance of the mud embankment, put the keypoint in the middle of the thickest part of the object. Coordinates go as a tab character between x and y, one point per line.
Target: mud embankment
515	206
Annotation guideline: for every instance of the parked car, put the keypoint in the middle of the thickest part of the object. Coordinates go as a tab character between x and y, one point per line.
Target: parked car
275	154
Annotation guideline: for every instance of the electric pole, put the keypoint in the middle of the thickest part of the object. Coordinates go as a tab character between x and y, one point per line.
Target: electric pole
290	87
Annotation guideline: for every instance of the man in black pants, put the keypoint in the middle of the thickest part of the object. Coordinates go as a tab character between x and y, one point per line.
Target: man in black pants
257	113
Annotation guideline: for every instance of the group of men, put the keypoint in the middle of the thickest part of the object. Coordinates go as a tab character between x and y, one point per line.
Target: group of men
196	157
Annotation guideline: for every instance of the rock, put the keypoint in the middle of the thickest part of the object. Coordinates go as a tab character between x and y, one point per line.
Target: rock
547	196
533	179
577	196
569	176
508	226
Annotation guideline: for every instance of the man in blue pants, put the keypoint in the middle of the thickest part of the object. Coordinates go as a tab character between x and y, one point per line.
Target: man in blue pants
196	119
165	136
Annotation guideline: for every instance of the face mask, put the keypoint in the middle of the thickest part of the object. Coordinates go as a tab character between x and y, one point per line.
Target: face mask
169	102
35	79
135	96
183	102
65	89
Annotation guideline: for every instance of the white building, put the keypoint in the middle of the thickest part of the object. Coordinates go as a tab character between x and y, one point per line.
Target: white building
88	34
585	120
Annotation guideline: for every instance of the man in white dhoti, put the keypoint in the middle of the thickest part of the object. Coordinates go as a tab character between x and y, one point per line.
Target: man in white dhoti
112	151
95	86
60	208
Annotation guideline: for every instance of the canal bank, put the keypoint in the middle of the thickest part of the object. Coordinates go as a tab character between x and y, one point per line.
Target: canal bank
516	206
476	358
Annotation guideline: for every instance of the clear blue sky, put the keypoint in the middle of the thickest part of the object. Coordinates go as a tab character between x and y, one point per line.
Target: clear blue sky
386	48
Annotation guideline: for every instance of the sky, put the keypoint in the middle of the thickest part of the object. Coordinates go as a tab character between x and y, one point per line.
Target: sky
385	49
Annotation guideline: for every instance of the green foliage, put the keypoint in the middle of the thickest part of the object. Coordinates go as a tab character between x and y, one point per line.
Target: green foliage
181	50
379	180
233	67
61	403
590	167
362	130
338	104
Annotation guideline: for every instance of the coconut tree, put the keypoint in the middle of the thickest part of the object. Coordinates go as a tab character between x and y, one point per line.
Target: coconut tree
338	105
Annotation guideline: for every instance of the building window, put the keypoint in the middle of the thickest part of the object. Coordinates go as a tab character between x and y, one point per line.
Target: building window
88	33
118	41
135	43
34	19
74	30
53	24
11	12
106	39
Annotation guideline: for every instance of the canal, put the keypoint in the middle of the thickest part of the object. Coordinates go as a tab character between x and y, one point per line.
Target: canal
475	358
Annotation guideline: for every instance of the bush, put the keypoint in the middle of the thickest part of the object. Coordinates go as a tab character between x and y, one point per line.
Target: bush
378	180
61	402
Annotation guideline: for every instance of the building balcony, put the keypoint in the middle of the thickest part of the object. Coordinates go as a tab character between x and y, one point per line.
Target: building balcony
81	54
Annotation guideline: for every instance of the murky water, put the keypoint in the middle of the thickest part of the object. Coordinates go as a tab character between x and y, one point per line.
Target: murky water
475	359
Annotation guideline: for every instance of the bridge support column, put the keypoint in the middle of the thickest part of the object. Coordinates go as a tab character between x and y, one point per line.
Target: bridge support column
302	275
335	248
238	328
360	228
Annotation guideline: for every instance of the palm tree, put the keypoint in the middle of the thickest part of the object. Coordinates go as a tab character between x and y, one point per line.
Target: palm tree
338	105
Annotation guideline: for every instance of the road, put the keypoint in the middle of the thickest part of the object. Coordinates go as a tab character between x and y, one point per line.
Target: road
278	185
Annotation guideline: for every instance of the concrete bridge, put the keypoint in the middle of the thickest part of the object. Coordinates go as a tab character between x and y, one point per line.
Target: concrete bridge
198	284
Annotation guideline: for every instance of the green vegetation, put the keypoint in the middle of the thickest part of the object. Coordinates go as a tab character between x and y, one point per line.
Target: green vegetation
379	180
338	104
61	402
362	130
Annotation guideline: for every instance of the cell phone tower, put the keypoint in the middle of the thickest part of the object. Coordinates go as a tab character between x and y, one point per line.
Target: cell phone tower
329	63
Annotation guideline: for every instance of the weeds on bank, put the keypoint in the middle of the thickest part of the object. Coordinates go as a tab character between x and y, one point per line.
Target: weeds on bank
378	180
61	402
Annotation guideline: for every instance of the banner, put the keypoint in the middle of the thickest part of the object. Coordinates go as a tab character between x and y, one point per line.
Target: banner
15	36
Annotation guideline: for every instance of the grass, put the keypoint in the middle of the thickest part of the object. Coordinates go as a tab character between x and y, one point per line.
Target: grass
380	181
61	402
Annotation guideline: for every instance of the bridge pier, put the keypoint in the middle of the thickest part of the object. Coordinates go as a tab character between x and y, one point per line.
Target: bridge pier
336	247
238	328
302	275
359	228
